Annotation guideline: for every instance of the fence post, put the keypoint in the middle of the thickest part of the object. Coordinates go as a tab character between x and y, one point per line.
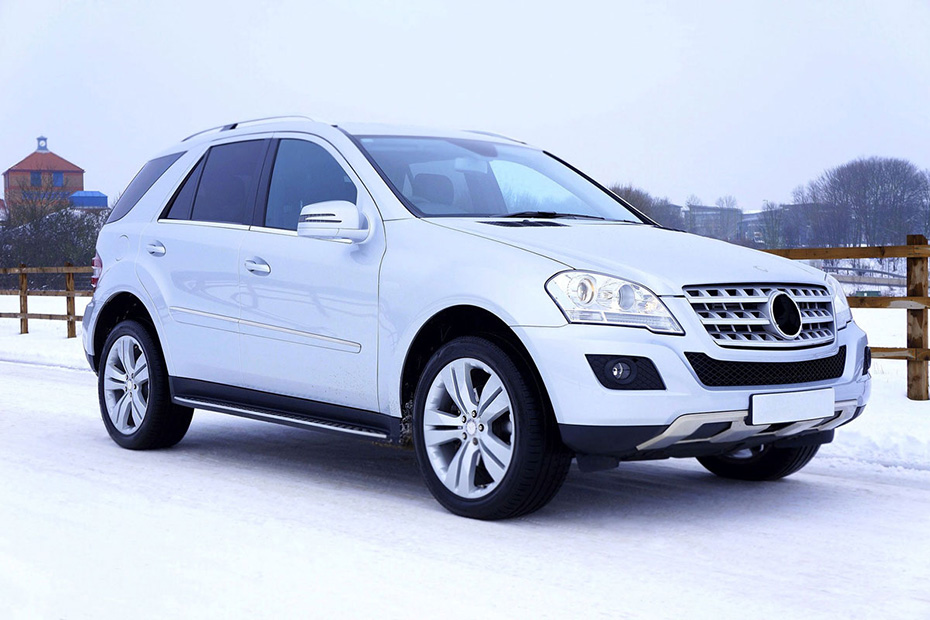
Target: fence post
917	286
23	301
69	288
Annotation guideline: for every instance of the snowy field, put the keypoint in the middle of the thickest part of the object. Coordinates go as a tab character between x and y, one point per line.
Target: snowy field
244	519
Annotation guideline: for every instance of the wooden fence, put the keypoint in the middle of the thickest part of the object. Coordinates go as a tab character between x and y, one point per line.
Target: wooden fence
915	302
24	293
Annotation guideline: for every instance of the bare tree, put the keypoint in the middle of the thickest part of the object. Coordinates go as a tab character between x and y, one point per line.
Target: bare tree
727	202
659	209
875	201
773	225
32	202
45	231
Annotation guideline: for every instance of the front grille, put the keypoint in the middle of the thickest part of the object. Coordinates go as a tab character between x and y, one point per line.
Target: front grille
722	373
738	315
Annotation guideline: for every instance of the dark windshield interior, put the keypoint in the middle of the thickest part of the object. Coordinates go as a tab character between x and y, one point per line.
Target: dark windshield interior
448	177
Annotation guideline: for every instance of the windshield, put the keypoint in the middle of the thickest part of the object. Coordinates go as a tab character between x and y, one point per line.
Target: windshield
448	177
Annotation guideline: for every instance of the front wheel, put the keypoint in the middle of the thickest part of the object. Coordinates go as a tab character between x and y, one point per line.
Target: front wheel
135	402
765	462
484	439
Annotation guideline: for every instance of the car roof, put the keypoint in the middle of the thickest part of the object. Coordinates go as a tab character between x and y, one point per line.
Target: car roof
305	124
381	129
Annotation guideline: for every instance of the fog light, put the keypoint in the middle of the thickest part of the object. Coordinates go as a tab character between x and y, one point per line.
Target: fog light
622	370
625	372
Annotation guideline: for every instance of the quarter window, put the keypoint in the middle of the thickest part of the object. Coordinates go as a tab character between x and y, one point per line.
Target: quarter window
183	201
304	174
226	192
141	183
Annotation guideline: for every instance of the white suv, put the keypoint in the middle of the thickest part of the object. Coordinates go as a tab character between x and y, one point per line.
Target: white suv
462	291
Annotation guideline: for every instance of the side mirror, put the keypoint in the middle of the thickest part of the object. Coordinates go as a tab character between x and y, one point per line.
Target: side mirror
333	220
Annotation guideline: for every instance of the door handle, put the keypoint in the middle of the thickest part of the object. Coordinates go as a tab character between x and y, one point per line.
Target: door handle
156	249
257	265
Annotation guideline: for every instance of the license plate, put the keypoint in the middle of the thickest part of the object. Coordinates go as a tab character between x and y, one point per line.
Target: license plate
791	406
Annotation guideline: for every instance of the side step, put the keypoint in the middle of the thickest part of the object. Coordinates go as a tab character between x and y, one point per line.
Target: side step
279	417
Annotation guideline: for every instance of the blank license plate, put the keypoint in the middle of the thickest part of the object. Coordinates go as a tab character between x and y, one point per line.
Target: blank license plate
791	406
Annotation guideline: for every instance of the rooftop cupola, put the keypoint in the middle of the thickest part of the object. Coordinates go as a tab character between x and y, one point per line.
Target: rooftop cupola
43	144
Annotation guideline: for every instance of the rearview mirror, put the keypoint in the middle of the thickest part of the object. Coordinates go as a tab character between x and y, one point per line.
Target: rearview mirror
333	220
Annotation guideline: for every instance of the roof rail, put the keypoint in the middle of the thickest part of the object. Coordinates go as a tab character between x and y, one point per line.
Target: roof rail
495	135
231	126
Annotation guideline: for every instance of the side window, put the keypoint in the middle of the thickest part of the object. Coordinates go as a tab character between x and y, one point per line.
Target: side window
226	191
304	173
183	201
141	183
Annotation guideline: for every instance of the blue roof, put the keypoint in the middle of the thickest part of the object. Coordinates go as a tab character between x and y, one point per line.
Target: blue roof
89	199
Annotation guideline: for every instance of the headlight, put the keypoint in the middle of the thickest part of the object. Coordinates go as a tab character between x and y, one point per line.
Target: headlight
594	298
840	305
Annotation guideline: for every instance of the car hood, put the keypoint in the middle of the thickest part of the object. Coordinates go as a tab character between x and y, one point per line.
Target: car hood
662	260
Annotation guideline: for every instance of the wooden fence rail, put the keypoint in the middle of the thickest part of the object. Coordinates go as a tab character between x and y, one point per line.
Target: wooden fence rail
915	302
24	293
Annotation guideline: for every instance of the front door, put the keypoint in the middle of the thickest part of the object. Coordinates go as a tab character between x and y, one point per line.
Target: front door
309	307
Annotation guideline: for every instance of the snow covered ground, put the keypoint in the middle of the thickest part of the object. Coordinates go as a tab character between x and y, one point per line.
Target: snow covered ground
249	519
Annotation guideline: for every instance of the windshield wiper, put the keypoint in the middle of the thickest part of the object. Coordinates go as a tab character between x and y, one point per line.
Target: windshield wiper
552	215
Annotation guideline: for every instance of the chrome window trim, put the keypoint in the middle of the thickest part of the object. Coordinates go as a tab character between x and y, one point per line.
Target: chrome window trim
229	225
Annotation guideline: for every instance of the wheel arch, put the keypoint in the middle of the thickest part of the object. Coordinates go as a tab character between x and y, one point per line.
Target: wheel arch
120	307
453	322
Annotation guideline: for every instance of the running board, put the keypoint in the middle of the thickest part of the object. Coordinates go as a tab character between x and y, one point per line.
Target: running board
289	419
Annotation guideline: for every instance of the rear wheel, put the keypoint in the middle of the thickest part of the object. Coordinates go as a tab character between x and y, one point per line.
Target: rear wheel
764	462
132	386
485	442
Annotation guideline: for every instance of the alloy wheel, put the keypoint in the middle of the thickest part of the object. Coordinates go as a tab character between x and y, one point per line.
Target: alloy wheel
126	384
468	428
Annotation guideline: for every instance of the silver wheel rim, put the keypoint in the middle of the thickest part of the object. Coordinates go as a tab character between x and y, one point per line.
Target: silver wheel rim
468	428
126	385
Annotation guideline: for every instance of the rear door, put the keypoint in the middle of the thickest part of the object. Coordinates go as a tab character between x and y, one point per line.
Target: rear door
189	260
309	307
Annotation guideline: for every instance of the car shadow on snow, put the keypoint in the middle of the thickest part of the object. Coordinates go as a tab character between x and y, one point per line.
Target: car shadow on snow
634	493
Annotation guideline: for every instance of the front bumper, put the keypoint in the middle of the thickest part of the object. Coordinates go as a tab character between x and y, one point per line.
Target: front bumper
687	418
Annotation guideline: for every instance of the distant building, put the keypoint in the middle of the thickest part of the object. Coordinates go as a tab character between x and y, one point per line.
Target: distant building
717	222
45	175
752	228
41	168
89	201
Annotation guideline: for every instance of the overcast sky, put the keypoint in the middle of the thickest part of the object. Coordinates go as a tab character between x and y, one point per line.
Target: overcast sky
705	98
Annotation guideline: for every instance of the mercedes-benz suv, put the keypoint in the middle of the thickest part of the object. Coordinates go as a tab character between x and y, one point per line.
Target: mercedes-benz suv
462	292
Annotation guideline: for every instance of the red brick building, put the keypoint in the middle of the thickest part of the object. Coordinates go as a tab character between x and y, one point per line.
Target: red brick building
44	171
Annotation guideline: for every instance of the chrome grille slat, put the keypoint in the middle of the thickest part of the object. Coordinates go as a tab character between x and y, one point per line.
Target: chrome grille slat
736	315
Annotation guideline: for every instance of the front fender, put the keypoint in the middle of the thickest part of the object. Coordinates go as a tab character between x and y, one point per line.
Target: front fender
468	271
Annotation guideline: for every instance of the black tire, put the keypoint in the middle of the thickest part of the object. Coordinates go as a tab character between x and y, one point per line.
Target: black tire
539	461
764	463
164	423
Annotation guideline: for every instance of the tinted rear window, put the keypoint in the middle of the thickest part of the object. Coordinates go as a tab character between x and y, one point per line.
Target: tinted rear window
227	186
141	183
